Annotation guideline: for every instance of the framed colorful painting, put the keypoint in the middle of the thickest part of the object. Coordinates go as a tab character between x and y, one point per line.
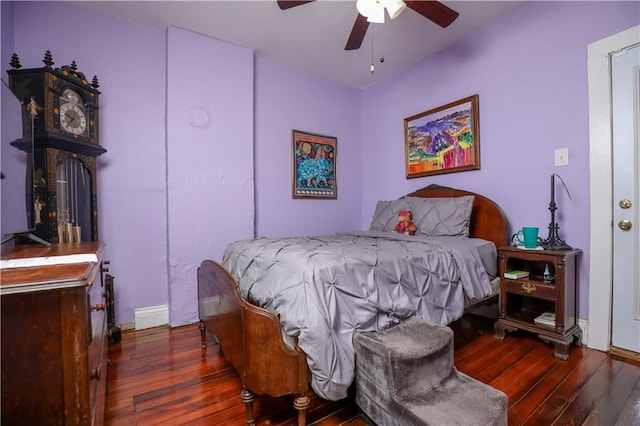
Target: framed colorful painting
443	140
314	165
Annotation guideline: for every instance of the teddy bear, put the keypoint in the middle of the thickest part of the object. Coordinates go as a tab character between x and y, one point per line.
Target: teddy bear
405	224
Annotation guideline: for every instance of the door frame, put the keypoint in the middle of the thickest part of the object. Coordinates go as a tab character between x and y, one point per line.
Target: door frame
601	184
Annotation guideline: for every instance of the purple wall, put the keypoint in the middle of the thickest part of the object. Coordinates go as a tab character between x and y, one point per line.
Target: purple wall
287	100
161	209
209	158
14	161
530	72
529	69
130	63
7	40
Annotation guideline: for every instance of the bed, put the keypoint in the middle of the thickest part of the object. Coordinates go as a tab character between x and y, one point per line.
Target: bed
284	310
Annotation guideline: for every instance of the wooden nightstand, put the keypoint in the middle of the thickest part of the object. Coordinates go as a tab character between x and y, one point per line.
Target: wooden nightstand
525	299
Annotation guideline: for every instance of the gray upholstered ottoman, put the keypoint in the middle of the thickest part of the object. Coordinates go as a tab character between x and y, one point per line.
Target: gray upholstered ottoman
405	376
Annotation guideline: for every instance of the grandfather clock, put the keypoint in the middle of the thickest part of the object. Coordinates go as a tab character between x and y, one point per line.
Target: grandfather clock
64	109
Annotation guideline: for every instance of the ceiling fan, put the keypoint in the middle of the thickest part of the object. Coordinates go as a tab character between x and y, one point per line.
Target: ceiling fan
435	11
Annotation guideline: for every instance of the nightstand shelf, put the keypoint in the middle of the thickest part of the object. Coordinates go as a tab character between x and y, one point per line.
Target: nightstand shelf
551	287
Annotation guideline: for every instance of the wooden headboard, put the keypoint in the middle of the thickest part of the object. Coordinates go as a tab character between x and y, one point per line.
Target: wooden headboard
487	218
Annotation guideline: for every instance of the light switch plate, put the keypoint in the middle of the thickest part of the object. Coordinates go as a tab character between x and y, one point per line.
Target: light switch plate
561	157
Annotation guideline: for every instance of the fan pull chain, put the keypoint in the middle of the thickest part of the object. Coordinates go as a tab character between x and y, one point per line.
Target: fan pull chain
373	68
382	44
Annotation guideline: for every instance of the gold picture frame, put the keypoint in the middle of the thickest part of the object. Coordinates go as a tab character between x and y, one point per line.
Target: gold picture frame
445	139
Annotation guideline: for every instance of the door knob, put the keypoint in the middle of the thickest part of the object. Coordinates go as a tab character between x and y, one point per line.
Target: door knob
625	204
625	225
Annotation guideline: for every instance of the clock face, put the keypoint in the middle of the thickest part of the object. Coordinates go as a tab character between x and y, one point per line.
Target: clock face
73	118
71	96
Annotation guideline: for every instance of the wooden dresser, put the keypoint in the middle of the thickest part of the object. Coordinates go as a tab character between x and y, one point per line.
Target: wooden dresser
54	345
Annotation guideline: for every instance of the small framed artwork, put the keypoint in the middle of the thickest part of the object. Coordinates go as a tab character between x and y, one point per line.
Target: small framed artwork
314	165
443	140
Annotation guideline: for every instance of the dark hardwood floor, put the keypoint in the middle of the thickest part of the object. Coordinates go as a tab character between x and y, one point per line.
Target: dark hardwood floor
162	376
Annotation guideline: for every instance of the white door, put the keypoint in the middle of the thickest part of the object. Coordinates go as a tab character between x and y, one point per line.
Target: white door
625	102
601	252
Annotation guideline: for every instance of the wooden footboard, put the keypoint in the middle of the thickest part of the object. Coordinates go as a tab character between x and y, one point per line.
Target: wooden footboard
251	340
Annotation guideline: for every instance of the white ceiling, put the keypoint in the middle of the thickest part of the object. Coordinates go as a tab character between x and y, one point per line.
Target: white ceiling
311	37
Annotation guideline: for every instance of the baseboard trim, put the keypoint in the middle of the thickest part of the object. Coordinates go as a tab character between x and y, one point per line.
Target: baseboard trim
624	353
152	316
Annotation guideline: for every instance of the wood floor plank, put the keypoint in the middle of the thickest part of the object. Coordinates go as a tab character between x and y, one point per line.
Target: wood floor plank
188	407
521	387
619	388
552	407
581	403
515	352
630	414
477	361
532	397
349	413
161	376
513	380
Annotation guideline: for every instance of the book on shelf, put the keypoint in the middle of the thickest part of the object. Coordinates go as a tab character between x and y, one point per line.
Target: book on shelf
546	318
516	274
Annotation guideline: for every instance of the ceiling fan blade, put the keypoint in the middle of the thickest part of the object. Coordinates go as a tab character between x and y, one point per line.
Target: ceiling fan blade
434	11
358	31
284	5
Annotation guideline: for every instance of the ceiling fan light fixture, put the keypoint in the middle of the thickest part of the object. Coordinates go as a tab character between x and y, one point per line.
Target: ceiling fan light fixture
376	16
394	7
373	10
365	7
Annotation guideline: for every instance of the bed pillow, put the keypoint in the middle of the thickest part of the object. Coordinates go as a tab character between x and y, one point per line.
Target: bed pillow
385	216
447	216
